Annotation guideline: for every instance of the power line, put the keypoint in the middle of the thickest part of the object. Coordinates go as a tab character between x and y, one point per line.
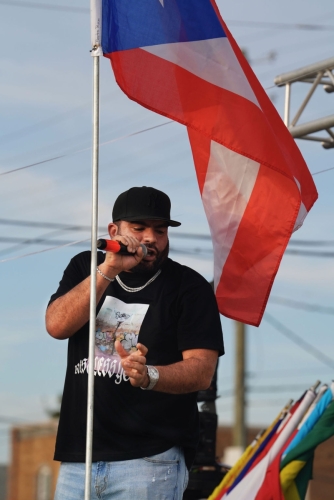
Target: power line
303	344
248	24
309	253
86	149
84	242
30	129
265	389
291	26
321	171
311	243
18	134
277	388
294	304
60	243
38	5
68	227
47	225
263	403
103	144
291	373
41	241
45	6
44	250
195	236
32	165
79	227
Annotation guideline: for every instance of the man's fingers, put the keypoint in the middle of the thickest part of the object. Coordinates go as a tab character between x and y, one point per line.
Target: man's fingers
131	243
135	359
137	365
135	371
122	262
138	356
120	350
142	349
134	364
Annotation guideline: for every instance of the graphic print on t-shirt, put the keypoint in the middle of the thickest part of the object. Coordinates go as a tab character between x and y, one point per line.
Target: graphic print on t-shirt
115	321
118	321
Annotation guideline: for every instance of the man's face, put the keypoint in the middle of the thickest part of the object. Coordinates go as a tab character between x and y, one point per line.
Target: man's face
154	235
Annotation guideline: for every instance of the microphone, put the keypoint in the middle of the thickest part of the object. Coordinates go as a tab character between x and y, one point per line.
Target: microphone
117	247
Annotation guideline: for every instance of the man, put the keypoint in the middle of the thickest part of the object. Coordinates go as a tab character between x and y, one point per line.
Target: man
158	335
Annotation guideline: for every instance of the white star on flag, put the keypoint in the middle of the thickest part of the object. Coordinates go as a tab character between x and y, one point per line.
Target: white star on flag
162	2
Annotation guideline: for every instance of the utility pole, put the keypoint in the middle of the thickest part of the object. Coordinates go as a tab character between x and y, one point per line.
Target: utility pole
239	429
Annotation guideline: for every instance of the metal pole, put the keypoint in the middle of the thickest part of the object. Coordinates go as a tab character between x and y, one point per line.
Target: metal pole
307	98
92	310
287	104
239	430
304	73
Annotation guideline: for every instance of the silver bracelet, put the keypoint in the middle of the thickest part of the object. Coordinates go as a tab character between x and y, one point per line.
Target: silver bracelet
104	276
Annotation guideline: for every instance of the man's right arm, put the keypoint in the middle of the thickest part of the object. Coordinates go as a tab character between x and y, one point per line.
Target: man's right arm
68	313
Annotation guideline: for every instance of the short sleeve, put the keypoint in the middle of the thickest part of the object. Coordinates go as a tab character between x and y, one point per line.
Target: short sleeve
77	270
199	325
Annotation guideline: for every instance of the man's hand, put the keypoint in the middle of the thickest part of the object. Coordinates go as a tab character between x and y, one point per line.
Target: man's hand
134	364
115	263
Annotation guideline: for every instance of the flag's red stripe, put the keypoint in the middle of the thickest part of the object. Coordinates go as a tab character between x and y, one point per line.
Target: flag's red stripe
182	96
297	164
200	145
253	263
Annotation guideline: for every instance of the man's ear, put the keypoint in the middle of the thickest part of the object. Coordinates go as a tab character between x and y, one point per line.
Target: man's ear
112	229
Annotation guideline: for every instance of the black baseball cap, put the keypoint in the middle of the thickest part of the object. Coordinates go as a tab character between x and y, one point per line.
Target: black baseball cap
139	203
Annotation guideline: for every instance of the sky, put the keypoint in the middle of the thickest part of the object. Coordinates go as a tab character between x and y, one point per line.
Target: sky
46	101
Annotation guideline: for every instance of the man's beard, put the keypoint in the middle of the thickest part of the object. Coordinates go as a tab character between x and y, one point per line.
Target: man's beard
154	265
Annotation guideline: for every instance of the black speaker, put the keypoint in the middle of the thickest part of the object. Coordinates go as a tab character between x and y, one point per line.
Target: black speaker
206	451
209	394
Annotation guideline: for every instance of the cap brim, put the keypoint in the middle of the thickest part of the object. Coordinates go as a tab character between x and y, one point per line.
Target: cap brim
174	223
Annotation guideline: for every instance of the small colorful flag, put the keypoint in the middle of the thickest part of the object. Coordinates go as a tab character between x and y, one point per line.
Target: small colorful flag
249	456
296	468
250	486
310	422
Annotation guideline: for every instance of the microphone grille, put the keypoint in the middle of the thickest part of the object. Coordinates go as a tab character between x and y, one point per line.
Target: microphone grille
144	249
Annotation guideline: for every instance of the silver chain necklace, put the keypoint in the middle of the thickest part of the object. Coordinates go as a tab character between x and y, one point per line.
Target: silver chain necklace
129	289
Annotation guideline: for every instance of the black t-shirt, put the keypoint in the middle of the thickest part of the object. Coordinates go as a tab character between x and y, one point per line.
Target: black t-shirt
176	312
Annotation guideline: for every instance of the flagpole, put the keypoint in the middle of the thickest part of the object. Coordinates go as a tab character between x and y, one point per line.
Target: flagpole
95	52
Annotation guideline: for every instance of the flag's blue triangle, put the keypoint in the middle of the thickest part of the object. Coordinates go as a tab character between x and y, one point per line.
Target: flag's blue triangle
129	24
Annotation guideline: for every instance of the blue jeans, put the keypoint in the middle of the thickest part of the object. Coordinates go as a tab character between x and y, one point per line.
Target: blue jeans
159	477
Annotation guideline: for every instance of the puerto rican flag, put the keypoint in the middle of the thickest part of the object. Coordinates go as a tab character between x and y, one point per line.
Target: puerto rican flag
177	58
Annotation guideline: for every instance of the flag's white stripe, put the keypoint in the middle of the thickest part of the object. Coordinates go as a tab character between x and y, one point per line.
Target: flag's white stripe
300	217
212	60
229	183
302	211
248	488
321	392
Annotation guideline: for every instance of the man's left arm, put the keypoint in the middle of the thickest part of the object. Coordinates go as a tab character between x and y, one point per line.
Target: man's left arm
193	373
